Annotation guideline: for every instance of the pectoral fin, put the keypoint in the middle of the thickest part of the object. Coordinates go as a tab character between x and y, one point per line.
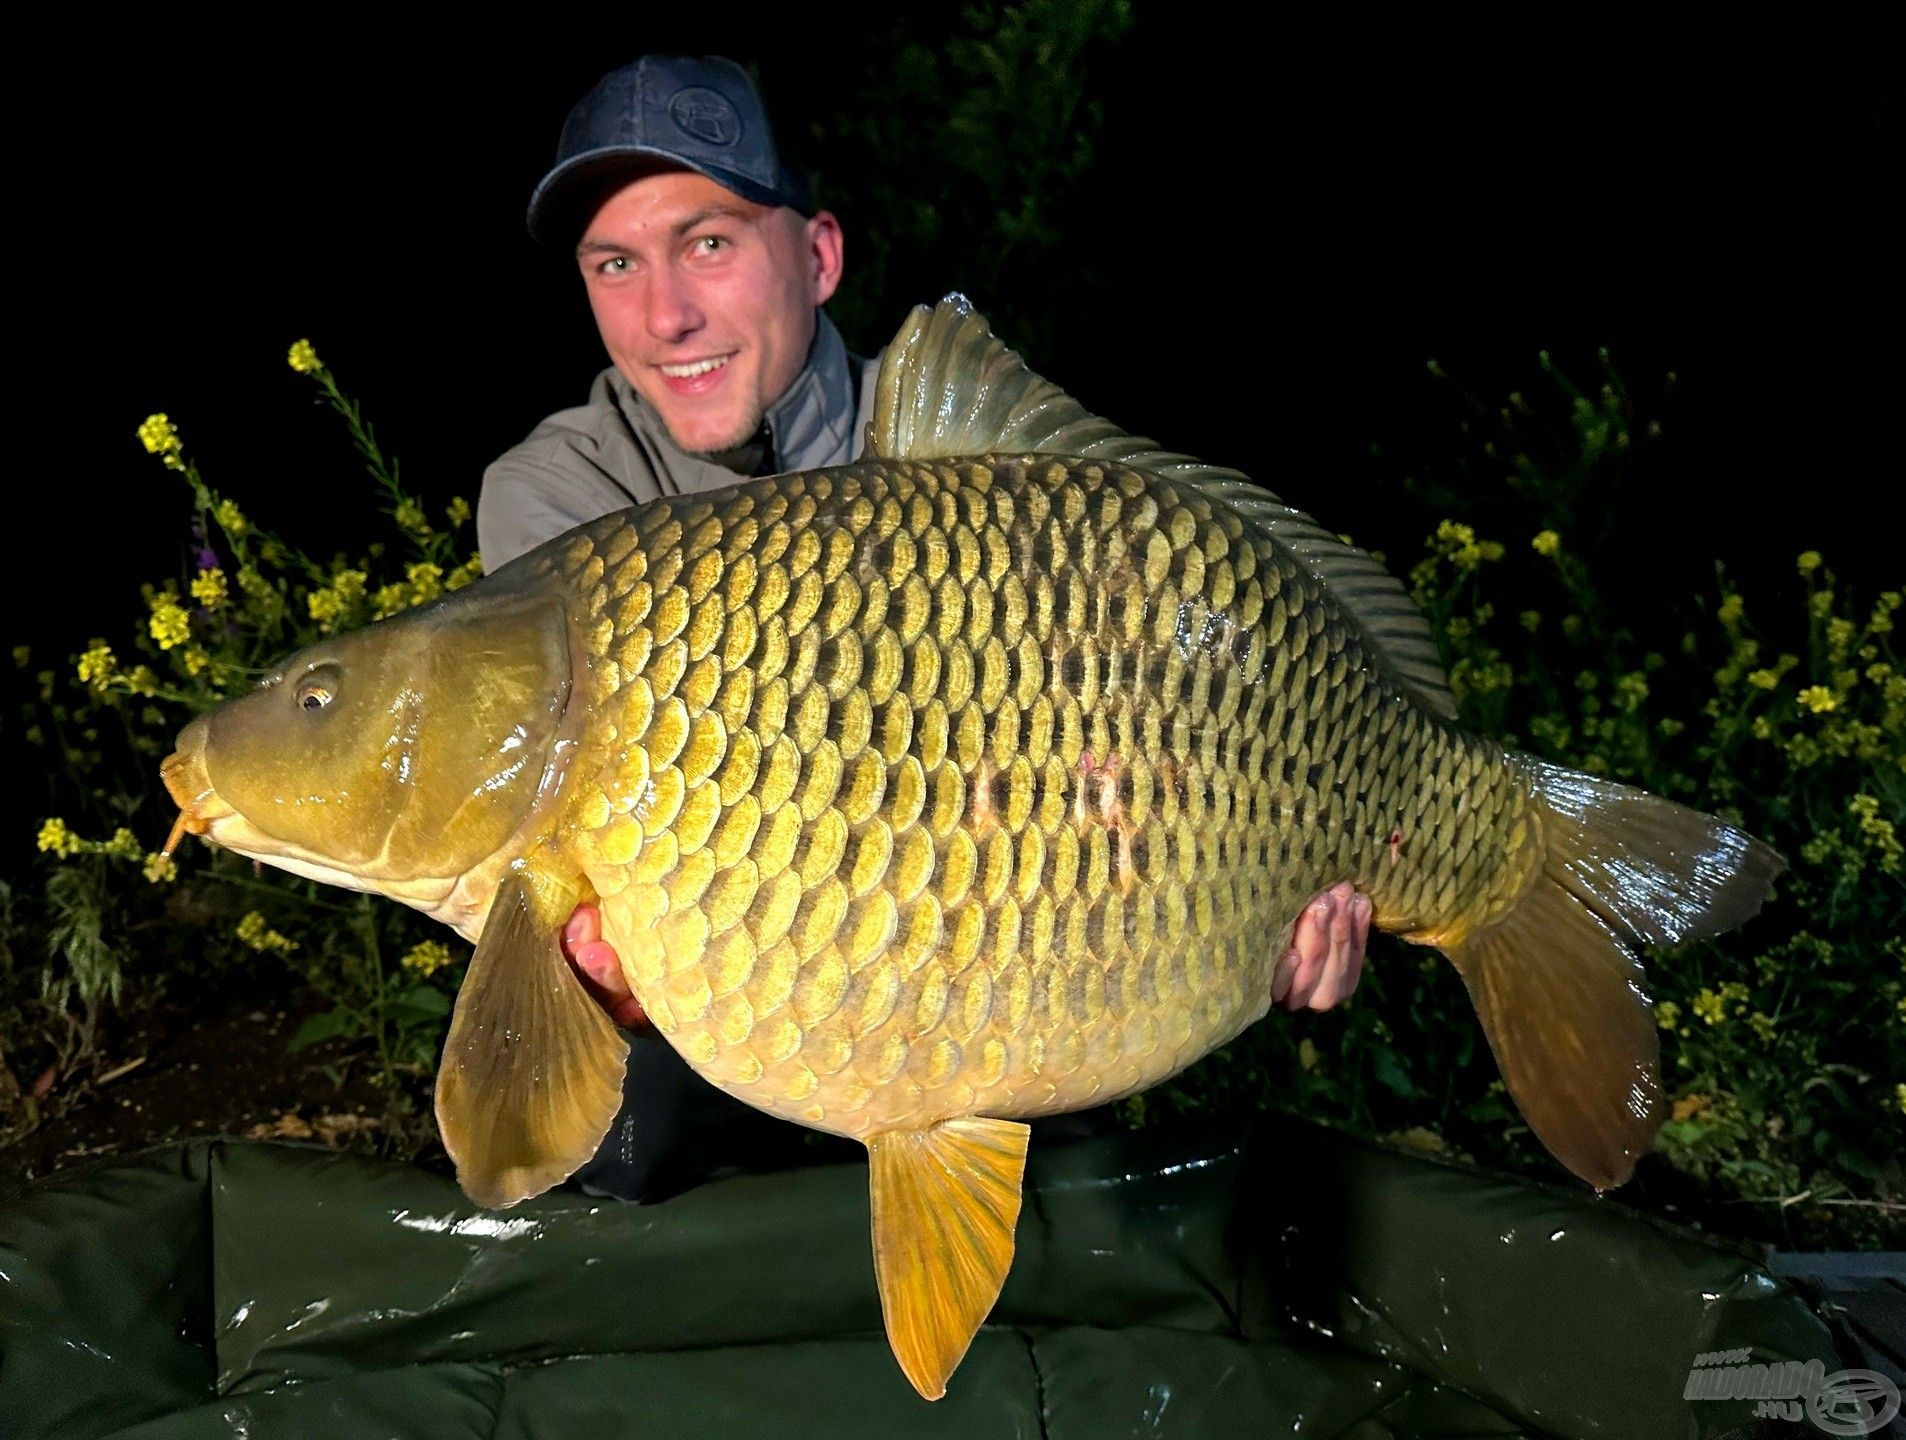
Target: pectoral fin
532	1071
945	1202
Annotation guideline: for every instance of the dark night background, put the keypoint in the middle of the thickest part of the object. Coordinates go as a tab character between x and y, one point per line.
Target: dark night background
1277	232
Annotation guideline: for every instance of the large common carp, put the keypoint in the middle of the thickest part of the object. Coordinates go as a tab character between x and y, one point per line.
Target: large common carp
981	779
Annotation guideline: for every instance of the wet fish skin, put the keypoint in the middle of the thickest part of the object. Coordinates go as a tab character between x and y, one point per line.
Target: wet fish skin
979	780
989	786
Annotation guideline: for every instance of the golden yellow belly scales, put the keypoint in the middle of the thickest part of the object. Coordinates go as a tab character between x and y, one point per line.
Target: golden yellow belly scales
991	786
978	780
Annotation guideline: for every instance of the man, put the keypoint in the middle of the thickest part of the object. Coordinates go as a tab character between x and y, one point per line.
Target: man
706	265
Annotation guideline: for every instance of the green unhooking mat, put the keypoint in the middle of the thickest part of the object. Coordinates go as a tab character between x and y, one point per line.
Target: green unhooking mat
1292	1282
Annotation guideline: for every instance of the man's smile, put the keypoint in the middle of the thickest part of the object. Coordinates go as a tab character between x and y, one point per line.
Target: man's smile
692	377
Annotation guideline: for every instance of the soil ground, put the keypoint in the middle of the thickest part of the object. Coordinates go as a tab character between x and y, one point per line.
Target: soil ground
172	1073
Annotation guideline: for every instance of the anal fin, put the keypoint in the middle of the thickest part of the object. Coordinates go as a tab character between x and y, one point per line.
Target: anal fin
945	1201
531	1076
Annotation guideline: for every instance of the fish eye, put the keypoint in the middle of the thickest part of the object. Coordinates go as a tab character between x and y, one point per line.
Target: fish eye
313	696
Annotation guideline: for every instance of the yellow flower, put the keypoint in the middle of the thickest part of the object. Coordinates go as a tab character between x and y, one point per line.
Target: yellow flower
1840	637
1531	620
255	933
1547	543
426	581
457	511
1763	679
388	600
22	655
1667	1015
1307	1054
160	869
230	518
1730	611
409	516
195	660
160	436
1899	1093
426	957
209	588
170	625
123	846
255	586
1458	542
96	666
1820	604
1492	549
1710	1007
1817	698
1809	561
1689	1106
471	569
141	681
56	837
325	607
303	358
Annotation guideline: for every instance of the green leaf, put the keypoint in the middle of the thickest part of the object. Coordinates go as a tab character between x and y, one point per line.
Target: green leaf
1390	1072
420	1002
325	1026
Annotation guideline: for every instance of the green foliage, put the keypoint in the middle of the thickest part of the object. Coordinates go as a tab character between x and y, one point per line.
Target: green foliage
209	633
992	129
1784	1043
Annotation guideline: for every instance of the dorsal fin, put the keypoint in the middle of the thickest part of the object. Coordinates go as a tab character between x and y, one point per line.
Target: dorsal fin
948	387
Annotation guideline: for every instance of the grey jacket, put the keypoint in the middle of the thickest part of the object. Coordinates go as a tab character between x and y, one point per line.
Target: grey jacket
613	451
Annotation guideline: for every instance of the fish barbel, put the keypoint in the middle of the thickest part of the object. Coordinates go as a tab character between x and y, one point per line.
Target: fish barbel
981	779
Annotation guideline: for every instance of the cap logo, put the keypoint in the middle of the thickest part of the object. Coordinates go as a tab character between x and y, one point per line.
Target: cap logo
707	115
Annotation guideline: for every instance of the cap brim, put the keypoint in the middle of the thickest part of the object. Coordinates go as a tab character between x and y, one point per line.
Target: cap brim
569	195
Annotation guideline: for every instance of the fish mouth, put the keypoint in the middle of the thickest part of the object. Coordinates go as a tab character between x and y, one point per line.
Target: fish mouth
184	774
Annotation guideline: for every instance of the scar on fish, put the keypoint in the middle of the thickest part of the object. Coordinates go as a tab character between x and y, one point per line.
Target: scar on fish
1109	813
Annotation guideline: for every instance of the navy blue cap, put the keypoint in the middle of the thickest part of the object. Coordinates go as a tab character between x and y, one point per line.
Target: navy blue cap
701	112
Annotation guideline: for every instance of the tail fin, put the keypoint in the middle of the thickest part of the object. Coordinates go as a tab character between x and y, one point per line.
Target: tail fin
1555	980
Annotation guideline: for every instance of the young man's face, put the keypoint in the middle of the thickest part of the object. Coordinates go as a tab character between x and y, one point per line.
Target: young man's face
706	301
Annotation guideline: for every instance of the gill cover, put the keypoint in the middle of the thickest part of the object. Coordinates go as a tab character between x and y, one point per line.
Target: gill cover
413	749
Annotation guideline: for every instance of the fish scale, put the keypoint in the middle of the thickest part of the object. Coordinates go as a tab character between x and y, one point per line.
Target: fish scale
930	789
930	792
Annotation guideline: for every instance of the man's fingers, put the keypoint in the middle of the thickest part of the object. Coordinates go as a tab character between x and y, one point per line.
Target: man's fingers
1359	942
1332	983
601	971
583	927
1325	960
602	976
597	960
1310	947
1349	929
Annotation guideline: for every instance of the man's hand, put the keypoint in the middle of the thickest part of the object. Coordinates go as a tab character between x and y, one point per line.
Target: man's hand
1321	968
595	961
1325	960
